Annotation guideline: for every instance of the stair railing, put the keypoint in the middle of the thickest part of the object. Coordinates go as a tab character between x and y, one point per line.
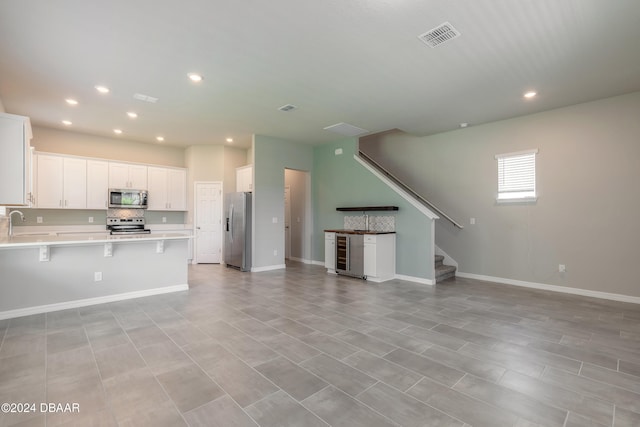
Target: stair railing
407	188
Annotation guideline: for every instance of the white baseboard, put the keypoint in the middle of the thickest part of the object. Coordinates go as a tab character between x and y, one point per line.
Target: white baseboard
302	260
268	268
314	262
553	288
415	279
90	301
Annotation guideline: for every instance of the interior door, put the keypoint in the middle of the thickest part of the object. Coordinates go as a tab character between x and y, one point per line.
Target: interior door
208	223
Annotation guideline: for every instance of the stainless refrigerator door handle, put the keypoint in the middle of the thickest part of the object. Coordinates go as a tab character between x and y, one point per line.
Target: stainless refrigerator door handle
231	225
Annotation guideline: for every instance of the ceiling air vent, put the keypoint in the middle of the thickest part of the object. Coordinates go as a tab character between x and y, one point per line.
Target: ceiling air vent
442	33
145	98
287	107
346	129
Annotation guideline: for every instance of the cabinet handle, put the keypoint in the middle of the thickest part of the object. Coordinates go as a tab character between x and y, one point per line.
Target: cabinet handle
66	203
60	203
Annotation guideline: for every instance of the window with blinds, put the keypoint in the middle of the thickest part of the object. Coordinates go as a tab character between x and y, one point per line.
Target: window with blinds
517	176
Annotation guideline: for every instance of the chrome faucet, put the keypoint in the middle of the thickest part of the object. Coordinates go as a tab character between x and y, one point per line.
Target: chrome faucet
11	222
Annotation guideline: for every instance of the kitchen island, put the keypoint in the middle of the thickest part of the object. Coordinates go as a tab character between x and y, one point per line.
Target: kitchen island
55	271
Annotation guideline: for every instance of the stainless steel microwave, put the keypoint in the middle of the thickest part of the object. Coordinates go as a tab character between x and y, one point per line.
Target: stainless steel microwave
128	199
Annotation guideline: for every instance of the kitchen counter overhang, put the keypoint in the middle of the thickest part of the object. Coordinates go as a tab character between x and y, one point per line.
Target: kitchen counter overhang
42	273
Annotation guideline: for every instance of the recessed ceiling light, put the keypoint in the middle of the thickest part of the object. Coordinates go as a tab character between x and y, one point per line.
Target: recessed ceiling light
160	138
195	77
132	115
464	125
102	89
71	101
66	123
229	139
530	94
117	131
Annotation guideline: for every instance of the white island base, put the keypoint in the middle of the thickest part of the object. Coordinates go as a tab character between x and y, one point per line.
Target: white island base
49	273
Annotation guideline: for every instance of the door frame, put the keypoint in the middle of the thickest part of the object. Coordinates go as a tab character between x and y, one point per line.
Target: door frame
195	219
287	235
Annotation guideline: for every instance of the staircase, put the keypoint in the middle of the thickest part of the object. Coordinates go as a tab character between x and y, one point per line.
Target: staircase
443	272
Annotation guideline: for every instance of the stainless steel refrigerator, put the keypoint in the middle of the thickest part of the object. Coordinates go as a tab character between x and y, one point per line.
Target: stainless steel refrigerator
237	236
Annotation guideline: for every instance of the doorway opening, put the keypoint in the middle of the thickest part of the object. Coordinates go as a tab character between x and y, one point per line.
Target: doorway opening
298	226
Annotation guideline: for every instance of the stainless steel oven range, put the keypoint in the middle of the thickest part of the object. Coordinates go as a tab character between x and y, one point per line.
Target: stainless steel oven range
126	221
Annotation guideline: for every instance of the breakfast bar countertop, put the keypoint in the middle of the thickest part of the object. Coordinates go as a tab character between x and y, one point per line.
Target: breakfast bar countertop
61	239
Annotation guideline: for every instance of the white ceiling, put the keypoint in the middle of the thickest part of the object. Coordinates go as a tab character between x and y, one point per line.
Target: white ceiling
353	61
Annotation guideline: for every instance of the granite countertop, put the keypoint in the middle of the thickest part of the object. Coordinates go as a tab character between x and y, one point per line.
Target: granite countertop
59	239
359	232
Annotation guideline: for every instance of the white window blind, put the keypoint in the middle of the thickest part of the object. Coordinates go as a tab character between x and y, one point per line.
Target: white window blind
517	175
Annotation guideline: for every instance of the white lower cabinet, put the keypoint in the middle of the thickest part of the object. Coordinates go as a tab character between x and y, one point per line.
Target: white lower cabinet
379	257
330	252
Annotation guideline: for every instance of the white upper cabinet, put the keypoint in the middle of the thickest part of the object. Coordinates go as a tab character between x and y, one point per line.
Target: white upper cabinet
167	189
15	160
71	182
61	182
244	178
125	175
97	184
177	189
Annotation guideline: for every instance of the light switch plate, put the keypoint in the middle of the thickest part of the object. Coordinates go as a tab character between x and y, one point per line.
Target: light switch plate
39	220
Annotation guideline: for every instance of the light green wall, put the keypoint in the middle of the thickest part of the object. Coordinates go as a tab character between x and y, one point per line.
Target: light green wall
272	156
586	213
341	181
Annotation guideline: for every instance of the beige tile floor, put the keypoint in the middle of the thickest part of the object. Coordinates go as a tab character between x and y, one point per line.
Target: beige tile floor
303	348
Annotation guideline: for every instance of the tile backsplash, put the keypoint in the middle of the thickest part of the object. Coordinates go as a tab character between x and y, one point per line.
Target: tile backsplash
382	223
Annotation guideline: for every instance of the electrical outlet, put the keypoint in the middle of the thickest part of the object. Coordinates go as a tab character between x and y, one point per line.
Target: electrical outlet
338	151
472	221
90	219
97	276
164	219
275	252
562	268
39	220
274	219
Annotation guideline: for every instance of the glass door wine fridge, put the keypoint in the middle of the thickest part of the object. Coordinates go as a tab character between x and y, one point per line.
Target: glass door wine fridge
350	254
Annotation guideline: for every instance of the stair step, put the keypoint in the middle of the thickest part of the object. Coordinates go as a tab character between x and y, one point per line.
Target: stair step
445	272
